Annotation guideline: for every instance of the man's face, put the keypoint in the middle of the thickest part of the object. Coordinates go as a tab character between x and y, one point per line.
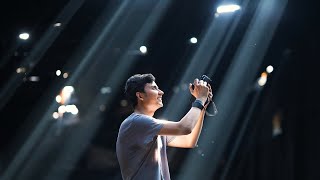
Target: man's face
152	97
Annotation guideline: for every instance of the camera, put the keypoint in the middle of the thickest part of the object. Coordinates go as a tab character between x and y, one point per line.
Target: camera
204	78
213	110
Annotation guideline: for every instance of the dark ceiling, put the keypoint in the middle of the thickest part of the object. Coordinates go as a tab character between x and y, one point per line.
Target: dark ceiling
296	39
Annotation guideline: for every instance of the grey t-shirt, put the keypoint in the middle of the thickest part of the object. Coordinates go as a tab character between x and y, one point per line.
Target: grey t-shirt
140	150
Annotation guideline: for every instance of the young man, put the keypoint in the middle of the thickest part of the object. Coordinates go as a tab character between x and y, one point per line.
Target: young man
142	139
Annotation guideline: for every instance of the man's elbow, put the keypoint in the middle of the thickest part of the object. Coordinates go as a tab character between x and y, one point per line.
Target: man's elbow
191	146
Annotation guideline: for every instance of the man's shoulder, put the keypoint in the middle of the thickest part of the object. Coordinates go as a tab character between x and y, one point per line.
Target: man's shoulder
136	118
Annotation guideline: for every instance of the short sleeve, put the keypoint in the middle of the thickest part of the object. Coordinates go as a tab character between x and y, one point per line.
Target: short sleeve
145	128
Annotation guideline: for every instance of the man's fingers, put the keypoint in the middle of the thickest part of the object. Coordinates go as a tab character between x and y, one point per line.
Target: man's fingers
190	87
196	81
205	83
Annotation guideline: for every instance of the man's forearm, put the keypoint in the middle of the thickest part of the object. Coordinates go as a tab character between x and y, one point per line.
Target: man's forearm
190	120
194	135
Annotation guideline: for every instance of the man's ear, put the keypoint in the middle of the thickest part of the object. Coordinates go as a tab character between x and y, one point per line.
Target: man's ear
139	96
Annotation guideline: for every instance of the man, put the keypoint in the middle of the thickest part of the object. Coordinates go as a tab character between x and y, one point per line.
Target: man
142	139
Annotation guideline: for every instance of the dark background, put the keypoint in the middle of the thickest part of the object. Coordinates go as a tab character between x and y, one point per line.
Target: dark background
293	91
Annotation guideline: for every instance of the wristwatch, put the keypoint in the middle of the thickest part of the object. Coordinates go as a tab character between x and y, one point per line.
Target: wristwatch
198	104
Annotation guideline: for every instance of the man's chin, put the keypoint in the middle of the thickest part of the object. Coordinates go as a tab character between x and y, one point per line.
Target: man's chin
160	105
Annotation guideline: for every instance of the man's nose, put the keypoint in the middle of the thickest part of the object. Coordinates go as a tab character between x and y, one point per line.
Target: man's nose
161	92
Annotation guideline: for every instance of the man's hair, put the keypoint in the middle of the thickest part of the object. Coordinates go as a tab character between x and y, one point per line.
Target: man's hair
136	83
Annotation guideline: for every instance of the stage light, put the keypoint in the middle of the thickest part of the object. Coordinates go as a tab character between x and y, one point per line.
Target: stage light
21	70
34	78
55	115
65	94
269	69
57	24
193	40
143	49
227	8
58	72
264	74
24	36
263	79
75	110
62	109
58	99
72	109
68	89
65	75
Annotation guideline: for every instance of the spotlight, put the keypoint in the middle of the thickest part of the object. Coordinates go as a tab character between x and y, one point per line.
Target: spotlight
55	115
72	109
62	109
263	79
24	36
58	72
269	69
68	89
228	8
21	70
58	99
193	40
65	75
57	24
34	78
143	49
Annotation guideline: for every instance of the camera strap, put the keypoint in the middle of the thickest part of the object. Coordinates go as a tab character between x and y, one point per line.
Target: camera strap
213	110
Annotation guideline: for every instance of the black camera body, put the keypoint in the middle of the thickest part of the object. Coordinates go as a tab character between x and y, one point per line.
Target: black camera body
204	78
213	110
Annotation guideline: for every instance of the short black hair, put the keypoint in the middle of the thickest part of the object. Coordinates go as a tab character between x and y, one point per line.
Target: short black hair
136	83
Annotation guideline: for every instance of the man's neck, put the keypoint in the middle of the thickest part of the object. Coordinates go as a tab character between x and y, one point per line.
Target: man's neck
140	110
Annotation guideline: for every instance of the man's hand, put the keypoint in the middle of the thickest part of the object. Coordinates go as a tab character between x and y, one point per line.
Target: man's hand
201	90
